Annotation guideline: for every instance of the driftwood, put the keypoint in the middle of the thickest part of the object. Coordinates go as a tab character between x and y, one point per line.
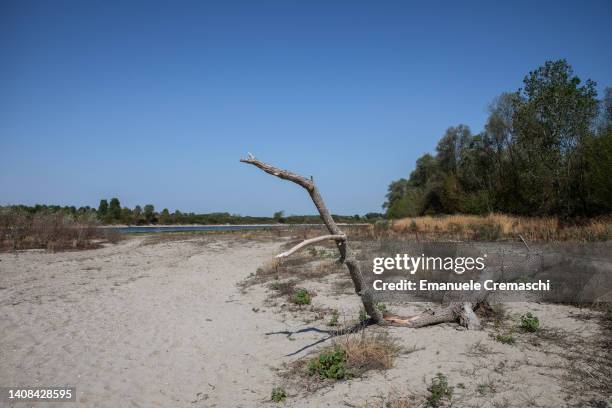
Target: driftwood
311	241
461	312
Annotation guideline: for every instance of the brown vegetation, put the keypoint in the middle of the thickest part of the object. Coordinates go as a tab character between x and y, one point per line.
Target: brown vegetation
368	351
499	226
51	230
349	356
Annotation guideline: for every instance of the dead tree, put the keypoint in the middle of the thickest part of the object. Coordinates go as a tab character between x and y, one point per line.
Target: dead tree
463	312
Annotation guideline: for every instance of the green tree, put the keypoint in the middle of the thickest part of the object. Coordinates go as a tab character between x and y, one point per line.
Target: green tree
137	215
427	167
396	190
279	216
451	146
149	213
114	209
127	217
409	205
545	150
598	173
164	216
554	116
102	209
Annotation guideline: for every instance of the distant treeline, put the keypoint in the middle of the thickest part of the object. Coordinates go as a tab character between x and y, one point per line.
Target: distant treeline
111	212
546	150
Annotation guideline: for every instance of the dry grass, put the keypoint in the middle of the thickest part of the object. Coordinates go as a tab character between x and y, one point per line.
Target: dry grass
53	231
395	399
368	351
301	267
363	351
500	226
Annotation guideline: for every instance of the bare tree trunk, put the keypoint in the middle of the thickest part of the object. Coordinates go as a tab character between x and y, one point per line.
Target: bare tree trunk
463	313
346	256
455	312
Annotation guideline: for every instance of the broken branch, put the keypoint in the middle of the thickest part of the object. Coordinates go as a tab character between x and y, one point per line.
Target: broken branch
346	256
309	242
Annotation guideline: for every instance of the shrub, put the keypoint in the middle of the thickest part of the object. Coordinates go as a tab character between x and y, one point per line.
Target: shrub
530	323
381	307
301	297
278	394
366	351
486	388
506	338
51	229
334	319
439	390
363	316
329	365
351	356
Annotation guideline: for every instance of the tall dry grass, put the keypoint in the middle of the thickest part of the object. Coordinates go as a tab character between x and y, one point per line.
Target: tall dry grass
501	226
368	351
51	230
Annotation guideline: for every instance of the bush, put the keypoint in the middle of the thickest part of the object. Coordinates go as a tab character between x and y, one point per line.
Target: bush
334	319
381	307
530	323
278	394
505	338
351	356
329	365
301	297
50	229
363	316
439	390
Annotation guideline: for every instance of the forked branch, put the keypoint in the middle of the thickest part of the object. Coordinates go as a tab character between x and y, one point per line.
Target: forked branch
346	256
456	312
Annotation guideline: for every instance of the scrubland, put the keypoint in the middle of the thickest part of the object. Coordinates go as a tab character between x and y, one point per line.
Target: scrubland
204	320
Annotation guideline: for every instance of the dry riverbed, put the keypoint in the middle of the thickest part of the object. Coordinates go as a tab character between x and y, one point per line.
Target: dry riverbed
168	322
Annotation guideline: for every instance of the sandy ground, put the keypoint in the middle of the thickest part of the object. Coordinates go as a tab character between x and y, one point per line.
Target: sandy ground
163	324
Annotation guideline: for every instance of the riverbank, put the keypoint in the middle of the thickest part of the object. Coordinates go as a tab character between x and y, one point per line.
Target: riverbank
166	320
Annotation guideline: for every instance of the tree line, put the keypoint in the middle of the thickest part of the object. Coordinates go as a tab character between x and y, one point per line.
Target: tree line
111	212
546	150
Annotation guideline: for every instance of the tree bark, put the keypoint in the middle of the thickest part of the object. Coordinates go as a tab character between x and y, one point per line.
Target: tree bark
310	242
461	312
346	256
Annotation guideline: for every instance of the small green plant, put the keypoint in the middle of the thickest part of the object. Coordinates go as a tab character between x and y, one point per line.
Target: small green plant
313	251
530	323
334	319
506	338
301	297
329	364
381	307
363	316
278	394
486	388
438	391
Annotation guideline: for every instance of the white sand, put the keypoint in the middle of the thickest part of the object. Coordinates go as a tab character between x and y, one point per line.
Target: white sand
164	325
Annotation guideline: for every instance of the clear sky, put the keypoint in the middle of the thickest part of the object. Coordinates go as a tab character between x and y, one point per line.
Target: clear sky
155	102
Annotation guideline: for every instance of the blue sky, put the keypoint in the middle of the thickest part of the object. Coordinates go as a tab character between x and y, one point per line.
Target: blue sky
155	102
